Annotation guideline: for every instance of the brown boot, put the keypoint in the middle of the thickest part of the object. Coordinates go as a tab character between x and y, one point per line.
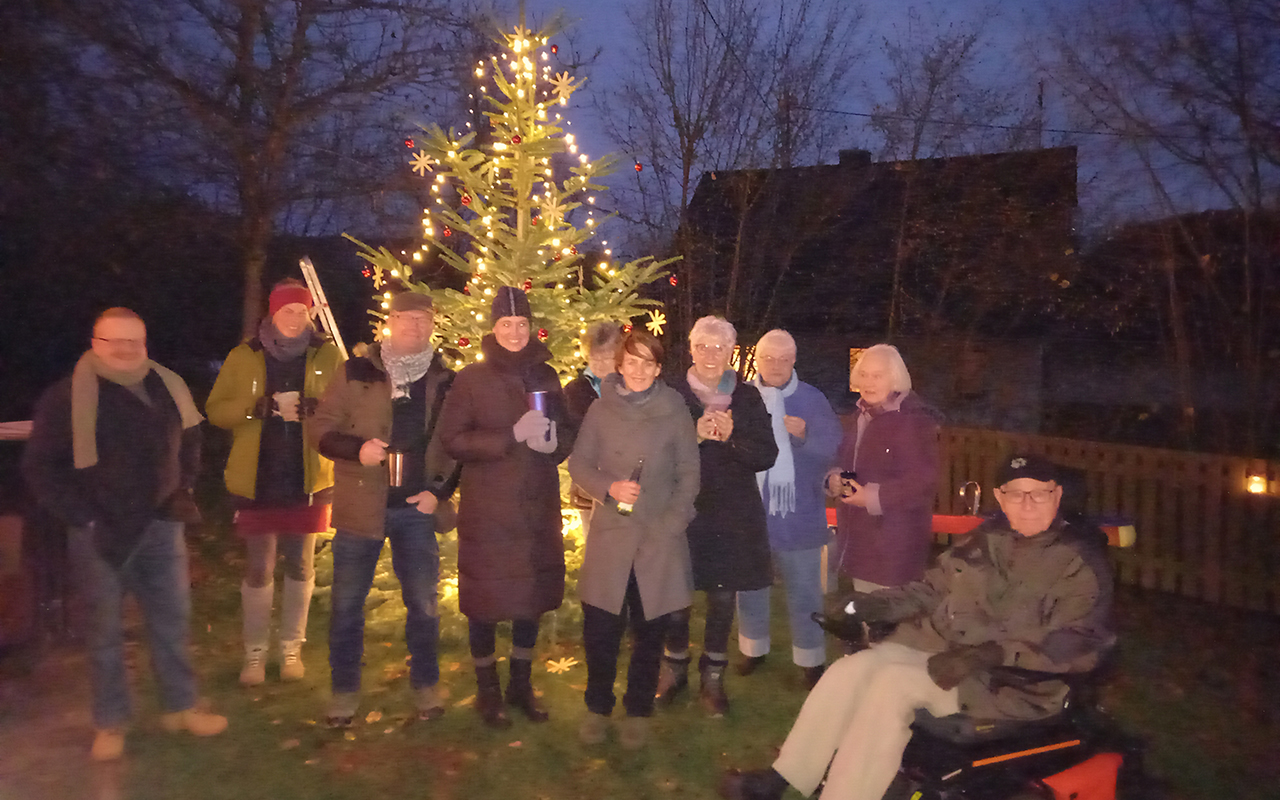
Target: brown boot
489	697
711	690
673	678
520	691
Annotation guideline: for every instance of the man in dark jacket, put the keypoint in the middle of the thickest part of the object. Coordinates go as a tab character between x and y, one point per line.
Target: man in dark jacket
1026	590
114	453
384	407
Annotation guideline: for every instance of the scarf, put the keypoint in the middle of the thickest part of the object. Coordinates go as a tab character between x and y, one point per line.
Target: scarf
405	370
593	379
782	475
718	398
619	385
281	347
84	401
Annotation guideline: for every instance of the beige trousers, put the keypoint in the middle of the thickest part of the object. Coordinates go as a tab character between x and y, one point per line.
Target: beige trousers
858	721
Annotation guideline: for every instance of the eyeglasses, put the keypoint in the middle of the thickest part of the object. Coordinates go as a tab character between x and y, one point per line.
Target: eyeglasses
776	359
703	347
1035	495
121	342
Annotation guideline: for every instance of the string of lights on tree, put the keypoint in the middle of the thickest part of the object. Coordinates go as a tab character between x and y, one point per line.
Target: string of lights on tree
499	213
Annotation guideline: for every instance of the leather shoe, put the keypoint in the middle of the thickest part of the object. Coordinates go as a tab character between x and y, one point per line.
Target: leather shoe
811	676
758	784
749	665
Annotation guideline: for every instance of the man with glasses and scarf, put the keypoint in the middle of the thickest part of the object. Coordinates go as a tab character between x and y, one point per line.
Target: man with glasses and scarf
1025	589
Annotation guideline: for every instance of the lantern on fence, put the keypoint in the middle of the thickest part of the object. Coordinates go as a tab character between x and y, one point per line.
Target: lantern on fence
1256	484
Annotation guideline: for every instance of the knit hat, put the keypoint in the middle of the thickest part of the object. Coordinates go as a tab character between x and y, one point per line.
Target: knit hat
285	294
1026	465
509	302
410	300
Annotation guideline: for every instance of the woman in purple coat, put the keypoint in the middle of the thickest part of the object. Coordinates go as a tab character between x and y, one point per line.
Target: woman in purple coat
885	514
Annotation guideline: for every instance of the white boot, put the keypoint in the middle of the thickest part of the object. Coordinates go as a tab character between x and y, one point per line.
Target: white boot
295	605
255	606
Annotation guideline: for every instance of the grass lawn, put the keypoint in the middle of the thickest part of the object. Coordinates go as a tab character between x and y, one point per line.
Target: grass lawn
1208	710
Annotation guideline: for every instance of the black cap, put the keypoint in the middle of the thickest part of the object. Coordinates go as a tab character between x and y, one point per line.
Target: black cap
1026	465
509	302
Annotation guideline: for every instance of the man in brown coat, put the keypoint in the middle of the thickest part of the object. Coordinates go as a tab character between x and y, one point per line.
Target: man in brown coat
1023	590
380	407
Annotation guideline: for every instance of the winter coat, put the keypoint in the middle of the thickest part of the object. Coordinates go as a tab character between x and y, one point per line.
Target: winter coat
356	408
579	394
510	545
147	463
899	455
806	527
615	435
1045	598
241	382
728	538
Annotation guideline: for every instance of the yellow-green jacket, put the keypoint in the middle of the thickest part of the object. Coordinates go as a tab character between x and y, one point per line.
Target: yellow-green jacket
241	382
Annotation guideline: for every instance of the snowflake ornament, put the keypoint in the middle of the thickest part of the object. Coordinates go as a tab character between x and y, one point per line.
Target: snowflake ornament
656	320
421	163
563	86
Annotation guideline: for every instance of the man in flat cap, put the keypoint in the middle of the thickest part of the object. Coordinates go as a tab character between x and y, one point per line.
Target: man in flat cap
1025	589
383	407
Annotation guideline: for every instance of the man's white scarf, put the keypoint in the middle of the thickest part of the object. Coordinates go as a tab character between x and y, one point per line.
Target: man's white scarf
782	475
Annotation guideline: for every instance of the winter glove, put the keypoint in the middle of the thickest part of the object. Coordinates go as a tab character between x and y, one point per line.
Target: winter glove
947	669
264	408
533	424
544	443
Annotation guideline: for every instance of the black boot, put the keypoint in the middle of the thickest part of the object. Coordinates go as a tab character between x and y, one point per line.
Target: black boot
520	691
811	675
711	690
489	697
759	784
673	678
749	665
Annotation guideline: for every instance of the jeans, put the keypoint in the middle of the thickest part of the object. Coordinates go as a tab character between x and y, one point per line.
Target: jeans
602	636
156	575
801	574
415	557
483	637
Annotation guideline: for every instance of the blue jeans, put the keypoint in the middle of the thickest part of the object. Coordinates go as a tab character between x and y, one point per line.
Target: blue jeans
156	575
802	575
415	557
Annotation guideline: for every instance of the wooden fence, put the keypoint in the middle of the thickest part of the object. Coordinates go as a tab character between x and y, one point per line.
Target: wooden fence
1200	532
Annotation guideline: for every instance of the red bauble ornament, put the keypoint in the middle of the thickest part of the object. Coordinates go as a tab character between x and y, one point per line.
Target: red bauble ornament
555	48
639	166
466	199
673	280
542	334
516	139
528	285
626	328
447	231
408	143
573	251
466	290
557	258
464	341
368	273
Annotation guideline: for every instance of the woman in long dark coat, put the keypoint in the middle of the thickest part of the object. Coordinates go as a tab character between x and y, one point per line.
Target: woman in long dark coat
728	538
885	515
510	546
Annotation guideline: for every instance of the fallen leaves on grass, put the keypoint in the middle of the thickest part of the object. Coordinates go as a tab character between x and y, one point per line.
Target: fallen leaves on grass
289	744
372	717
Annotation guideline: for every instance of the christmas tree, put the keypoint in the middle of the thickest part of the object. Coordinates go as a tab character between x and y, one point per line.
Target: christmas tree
514	204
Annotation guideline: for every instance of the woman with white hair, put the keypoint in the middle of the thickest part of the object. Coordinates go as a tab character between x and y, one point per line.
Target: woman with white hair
885	514
728	540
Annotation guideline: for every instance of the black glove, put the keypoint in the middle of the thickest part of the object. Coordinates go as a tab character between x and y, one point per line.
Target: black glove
307	406
947	669
264	407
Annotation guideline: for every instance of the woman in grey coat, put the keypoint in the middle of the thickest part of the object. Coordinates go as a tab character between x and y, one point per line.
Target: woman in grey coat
636	566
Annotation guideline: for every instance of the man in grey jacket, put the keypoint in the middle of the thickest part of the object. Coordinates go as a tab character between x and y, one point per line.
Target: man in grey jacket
1025	590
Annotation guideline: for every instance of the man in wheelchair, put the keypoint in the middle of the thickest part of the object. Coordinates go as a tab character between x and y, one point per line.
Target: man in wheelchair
1026	589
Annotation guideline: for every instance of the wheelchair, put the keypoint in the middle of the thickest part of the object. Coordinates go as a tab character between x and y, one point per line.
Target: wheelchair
1079	753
